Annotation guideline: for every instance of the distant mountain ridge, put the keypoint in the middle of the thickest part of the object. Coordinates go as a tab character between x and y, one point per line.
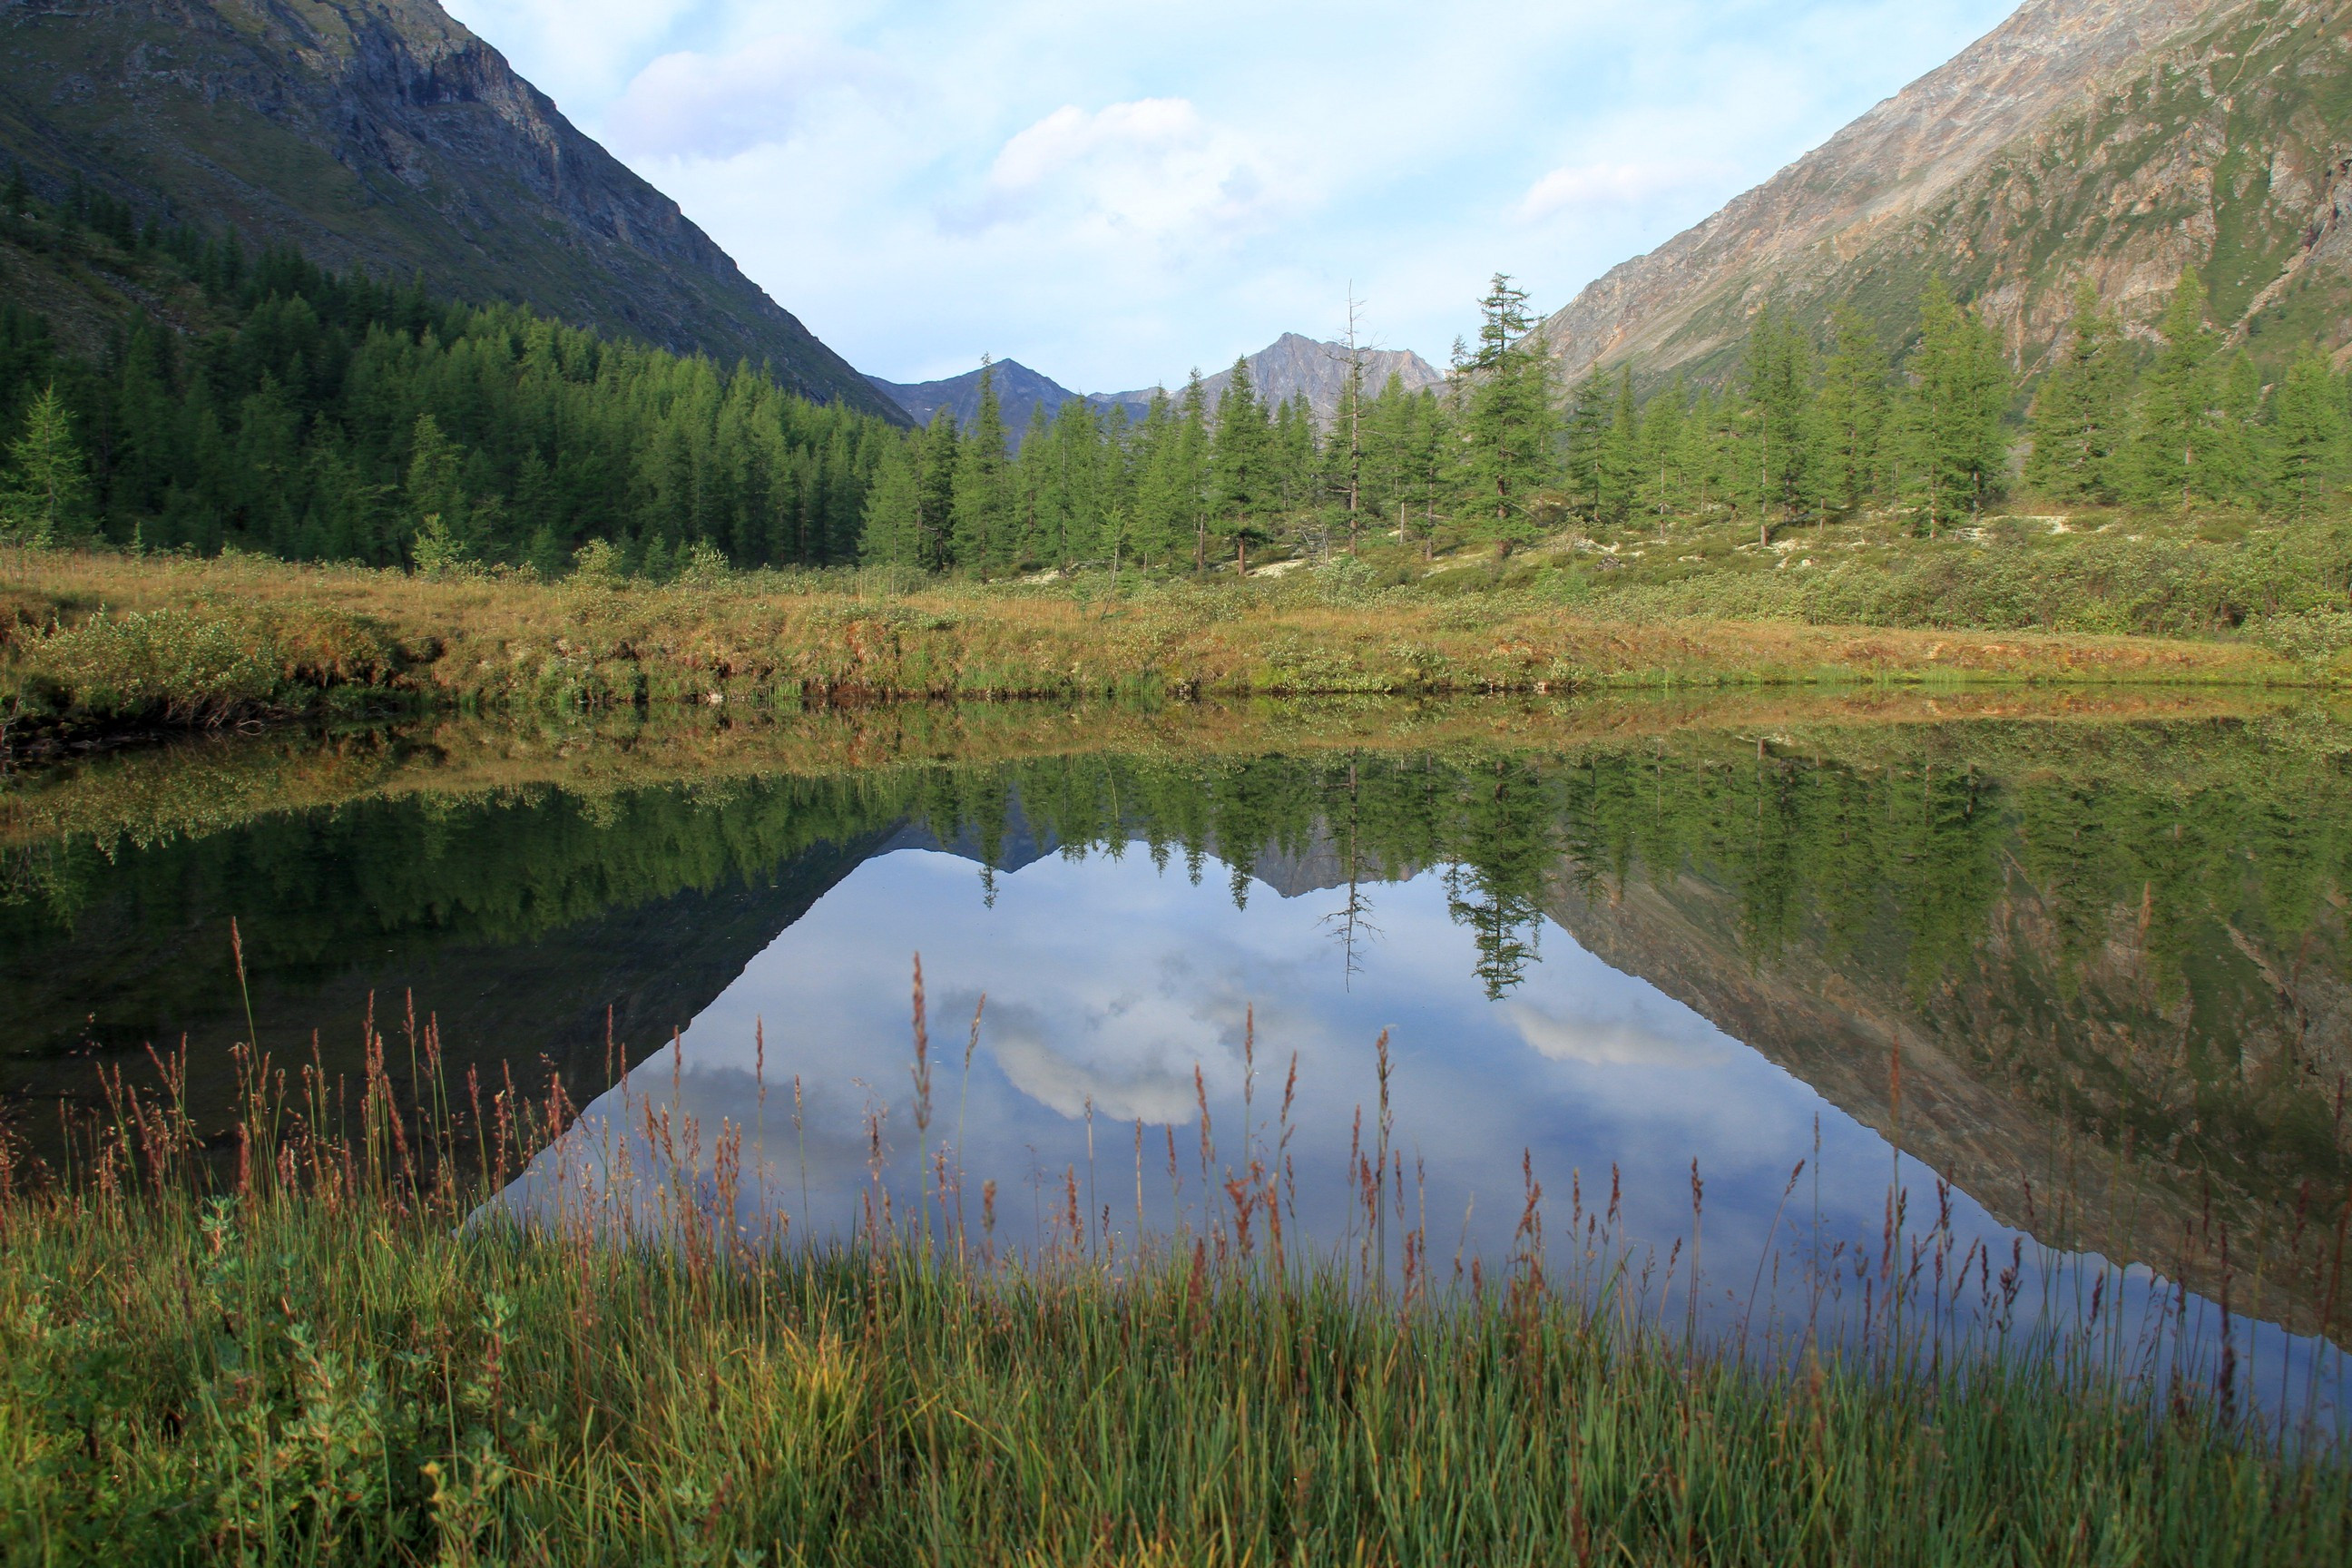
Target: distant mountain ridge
378	134
2113	141
1293	363
1019	391
1288	367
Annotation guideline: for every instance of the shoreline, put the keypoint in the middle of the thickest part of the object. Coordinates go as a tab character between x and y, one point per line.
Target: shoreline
93	645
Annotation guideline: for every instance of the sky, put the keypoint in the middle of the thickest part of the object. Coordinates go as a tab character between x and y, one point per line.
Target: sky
1113	195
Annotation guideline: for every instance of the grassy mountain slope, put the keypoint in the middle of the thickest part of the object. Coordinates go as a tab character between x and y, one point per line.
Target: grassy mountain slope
2091	140
379	135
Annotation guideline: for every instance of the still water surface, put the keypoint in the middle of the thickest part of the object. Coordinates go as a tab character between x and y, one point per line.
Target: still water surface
2092	977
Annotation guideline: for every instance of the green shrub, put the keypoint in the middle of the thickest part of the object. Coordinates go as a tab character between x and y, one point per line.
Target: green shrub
188	667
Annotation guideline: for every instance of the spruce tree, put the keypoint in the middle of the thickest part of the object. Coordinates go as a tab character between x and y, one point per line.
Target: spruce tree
1190	484
2077	417
46	485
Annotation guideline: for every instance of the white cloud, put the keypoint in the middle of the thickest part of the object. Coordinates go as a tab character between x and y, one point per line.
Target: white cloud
1149	170
1113	196
1579	187
715	106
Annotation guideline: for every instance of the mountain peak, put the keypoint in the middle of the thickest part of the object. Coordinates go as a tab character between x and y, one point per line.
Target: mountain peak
1294	363
2078	141
383	135
1020	391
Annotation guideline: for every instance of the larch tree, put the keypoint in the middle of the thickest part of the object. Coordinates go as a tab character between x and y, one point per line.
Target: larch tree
1778	384
1849	414
1509	421
2307	434
985	540
47	485
2176	398
2077	423
1955	453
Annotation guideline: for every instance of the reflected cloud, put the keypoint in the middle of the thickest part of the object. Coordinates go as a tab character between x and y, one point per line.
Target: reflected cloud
1152	1092
1609	1042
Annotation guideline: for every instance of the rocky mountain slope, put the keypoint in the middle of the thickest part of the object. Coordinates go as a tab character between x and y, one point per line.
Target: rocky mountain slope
379	134
1291	364
2111	141
1288	367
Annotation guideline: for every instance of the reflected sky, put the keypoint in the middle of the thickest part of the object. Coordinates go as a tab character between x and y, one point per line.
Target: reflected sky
1111	981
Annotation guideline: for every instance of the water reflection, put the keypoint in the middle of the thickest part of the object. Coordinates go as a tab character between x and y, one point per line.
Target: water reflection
2111	959
1128	1000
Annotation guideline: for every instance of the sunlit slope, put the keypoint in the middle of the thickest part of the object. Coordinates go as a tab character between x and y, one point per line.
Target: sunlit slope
2097	140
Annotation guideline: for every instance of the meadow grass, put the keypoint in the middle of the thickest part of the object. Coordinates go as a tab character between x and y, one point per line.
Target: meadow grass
94	639
318	1339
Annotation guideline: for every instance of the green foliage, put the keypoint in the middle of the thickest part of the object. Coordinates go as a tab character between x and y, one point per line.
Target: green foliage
2078	417
2308	448
44	487
184	667
1508	425
1952	451
327	417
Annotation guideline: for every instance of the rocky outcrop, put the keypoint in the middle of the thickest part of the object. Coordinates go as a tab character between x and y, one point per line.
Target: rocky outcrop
381	135
2115	141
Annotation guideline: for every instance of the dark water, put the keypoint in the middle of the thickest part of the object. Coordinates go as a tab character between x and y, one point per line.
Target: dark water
2094	978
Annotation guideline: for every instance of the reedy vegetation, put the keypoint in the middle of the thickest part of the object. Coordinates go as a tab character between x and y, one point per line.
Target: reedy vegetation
314	1354
94	640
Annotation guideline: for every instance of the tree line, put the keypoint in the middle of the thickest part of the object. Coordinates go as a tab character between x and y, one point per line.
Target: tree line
327	417
333	417
1804	429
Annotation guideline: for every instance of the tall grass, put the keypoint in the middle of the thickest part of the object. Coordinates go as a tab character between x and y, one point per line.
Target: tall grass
320	1340
339	634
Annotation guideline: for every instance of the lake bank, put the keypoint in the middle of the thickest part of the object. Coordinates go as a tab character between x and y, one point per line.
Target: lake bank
98	643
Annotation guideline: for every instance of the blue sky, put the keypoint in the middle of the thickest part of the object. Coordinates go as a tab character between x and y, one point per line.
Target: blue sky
1114	193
